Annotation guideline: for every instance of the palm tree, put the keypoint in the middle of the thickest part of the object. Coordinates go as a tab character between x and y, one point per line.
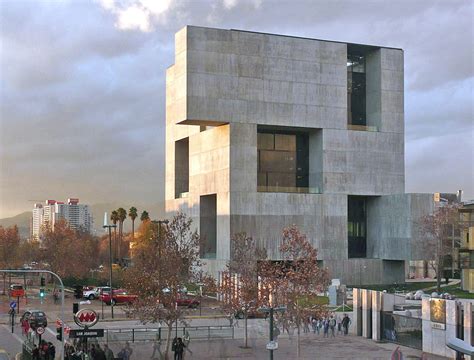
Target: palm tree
115	218
122	215
144	216
133	213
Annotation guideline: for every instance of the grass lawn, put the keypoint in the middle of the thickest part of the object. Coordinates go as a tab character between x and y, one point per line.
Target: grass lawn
457	291
406	287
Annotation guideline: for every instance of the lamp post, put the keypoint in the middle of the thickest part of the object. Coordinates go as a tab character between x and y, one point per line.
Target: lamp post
106	225
271	310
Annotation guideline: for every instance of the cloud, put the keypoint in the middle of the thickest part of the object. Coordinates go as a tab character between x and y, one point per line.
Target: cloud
137	14
83	87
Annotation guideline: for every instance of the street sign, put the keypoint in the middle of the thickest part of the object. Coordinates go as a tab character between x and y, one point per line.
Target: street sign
40	330
13	305
85	333
272	345
86	318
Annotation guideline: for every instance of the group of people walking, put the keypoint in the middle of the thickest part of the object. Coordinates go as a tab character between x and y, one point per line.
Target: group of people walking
329	325
80	351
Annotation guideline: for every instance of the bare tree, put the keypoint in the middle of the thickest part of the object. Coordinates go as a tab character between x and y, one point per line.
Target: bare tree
437	232
295	280
239	282
164	259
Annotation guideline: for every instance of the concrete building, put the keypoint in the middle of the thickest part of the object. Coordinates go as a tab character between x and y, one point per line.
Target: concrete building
265	131
77	215
466	251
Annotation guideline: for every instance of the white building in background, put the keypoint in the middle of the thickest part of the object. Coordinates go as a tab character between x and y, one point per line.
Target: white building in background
78	216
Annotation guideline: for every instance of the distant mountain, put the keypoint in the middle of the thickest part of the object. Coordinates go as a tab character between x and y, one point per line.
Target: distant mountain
21	220
156	211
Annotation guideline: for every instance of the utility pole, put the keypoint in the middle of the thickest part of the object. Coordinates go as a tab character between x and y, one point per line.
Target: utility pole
106	225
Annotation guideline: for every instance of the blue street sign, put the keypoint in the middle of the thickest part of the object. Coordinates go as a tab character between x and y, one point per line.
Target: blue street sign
13	304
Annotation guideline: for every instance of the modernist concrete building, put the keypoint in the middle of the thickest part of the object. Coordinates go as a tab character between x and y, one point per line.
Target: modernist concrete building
264	131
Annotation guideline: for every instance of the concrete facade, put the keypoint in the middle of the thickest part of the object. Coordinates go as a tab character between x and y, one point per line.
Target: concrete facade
225	84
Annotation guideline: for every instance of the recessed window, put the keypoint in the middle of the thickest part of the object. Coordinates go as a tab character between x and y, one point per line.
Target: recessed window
208	226
356	90
181	168
283	160
357	226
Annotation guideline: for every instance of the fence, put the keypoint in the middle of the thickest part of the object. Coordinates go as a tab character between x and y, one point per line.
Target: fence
401	329
151	334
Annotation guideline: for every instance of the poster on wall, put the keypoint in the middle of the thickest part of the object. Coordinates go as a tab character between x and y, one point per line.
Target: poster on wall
438	311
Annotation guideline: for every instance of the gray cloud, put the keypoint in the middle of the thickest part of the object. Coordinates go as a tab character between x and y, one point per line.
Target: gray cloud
82	101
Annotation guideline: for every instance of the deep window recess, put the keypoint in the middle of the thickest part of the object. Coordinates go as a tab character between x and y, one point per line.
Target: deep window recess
283	160
208	226
357	227
356	89
181	168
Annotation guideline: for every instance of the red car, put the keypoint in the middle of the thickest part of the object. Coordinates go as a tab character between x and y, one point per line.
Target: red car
120	296
188	301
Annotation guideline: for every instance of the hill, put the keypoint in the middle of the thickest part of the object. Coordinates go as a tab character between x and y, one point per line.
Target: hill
21	220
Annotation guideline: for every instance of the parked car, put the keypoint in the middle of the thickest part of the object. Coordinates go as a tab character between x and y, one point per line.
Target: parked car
17	290
119	296
94	292
36	318
188	301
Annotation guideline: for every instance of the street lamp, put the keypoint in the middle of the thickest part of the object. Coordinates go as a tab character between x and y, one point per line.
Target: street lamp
271	311
106	225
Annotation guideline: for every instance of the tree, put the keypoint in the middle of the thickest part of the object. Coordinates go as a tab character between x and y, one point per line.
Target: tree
437	232
122	215
239	284
165	258
133	213
144	216
10	256
69	252
115	218
295	281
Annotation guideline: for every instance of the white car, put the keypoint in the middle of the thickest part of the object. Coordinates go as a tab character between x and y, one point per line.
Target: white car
95	292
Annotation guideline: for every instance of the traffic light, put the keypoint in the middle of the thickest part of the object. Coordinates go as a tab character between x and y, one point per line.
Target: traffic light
42	281
41	293
59	333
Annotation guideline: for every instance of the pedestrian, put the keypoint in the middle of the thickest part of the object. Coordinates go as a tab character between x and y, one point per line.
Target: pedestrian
339	325
35	353
51	351
326	327
332	325
156	348
99	353
319	325
109	354
92	352
187	340
306	325
126	352
345	324
179	349
314	325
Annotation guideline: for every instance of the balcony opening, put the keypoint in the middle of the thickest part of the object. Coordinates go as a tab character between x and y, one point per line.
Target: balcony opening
357	226
181	168
363	88
208	226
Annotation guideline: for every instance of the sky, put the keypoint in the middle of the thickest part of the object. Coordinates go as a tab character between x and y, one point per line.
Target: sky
83	87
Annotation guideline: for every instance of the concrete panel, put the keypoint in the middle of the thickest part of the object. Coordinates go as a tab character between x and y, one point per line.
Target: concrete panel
366	296
377	306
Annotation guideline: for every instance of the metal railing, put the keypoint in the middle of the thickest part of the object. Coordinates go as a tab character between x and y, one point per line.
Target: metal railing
152	334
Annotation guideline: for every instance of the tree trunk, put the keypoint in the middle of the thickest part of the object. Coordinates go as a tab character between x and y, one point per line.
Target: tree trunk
114	256
133	229
168	342
439	271
246	329
4	282
298	350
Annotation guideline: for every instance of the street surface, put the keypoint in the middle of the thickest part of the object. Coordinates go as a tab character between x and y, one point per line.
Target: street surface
313	346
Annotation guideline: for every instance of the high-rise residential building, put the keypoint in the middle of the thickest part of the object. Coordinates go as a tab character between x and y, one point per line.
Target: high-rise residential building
78	216
265	131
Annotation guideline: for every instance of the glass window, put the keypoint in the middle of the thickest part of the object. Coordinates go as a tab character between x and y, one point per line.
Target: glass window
356	227
356	90
283	160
